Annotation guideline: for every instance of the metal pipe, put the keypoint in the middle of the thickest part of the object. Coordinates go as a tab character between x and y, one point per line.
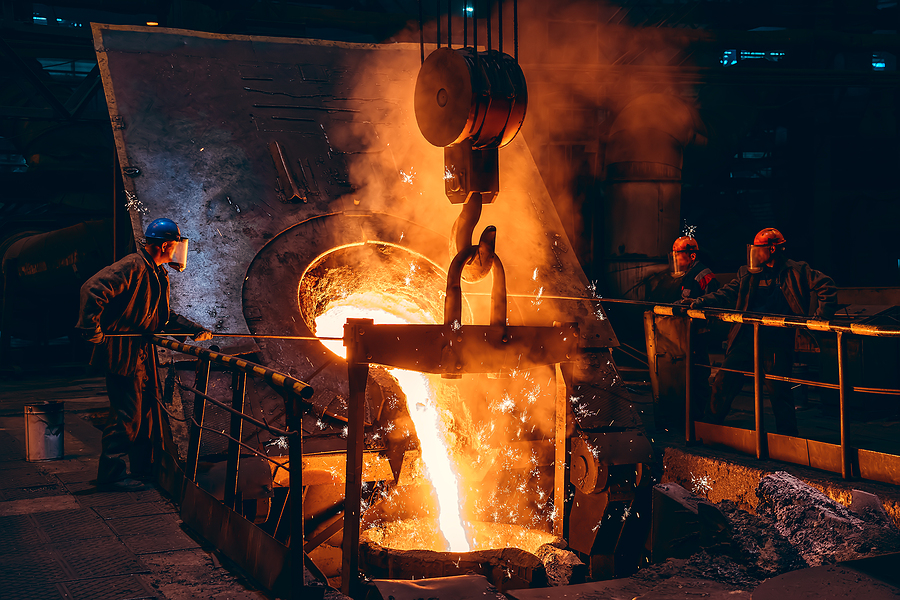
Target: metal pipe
286	382
421	34
232	497
311	338
516	30
358	373
489	27
465	24
295	497
689	434
500	25
449	23
222	405
761	452
201	381
844	393
559	460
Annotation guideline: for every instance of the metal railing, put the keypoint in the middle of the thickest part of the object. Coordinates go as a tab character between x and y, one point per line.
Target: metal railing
295	393
869	464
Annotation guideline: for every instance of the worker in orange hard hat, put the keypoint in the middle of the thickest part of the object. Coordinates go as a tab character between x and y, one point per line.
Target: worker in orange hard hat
773	284
696	280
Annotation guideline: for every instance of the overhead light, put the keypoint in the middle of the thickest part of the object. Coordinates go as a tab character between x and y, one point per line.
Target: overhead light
152	23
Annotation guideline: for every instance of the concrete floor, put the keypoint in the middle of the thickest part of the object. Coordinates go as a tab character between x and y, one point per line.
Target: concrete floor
62	538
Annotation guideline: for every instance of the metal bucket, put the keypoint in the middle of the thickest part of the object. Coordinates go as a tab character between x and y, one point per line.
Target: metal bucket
44	425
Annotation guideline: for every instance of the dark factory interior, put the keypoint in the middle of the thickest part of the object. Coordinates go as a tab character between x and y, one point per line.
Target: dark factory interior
585	299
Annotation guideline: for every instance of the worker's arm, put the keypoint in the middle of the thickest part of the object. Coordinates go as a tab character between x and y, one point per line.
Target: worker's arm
96	294
724	297
826	293
180	324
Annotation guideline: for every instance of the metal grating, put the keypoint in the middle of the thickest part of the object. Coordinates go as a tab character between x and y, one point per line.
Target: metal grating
150	544
22	590
36	491
99	557
146	525
38	565
18	531
68	525
110	588
138	509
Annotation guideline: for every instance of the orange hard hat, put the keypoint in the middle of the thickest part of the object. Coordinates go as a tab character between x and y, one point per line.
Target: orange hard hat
768	236
685	244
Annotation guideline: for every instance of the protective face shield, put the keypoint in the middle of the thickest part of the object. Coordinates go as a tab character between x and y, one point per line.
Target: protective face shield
758	256
178	255
680	262
683	254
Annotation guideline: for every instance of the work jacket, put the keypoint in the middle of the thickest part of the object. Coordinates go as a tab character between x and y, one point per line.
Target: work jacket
697	281
808	292
129	296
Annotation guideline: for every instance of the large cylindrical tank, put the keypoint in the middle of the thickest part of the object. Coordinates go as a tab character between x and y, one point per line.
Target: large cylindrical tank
644	157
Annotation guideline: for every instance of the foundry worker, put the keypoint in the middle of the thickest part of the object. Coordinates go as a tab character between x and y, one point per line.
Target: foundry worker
696	280
769	283
132	296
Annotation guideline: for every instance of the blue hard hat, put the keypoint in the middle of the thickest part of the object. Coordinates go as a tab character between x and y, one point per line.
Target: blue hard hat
163	230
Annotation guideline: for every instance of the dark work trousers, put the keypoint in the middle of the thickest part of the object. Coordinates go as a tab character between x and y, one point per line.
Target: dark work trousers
129	425
777	347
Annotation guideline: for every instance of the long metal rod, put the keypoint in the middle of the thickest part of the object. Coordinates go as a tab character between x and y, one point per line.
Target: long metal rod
465	23
821	384
223	406
216	334
559	459
689	434
232	498
844	393
201	381
449	24
277	379
421	34
516	30
761	452
295	497
500	25
357	372
489	26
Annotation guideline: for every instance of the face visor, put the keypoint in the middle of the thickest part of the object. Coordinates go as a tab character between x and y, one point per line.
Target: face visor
179	255
757	256
680	262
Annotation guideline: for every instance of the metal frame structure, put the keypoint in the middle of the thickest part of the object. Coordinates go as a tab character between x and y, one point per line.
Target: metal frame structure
448	349
844	459
219	522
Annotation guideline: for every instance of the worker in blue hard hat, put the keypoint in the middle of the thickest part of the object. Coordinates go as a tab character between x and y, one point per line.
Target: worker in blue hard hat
132	296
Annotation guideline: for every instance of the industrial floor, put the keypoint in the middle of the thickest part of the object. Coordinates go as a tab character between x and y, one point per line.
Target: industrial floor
62	538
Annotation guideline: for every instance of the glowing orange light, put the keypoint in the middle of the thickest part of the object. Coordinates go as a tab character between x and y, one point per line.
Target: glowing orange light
152	23
420	401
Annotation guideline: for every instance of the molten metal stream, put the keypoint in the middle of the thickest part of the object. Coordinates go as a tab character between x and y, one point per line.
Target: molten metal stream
420	401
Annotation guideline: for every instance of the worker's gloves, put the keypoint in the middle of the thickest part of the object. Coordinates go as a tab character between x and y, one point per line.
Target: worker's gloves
202	336
697	303
93	337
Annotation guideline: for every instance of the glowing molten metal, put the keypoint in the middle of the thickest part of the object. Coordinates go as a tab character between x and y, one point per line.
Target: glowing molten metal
420	400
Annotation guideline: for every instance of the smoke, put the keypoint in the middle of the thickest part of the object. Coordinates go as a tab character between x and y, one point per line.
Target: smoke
584	64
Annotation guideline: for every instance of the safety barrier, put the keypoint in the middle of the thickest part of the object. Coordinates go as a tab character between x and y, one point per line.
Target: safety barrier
844	459
296	393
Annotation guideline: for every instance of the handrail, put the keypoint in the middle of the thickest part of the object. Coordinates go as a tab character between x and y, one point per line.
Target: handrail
304	390
758	320
734	316
298	392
